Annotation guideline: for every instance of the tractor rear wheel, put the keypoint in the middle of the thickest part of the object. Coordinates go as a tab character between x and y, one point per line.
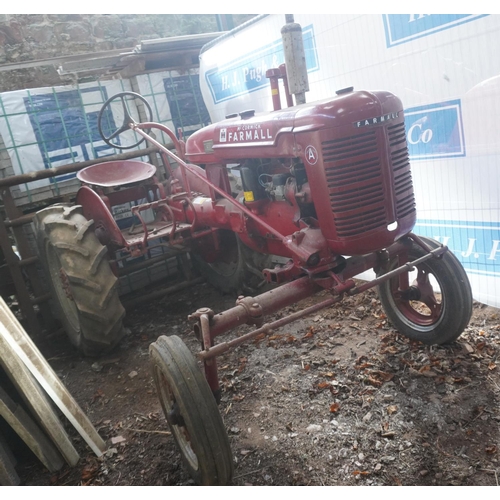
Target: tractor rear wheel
82	284
238	268
437	306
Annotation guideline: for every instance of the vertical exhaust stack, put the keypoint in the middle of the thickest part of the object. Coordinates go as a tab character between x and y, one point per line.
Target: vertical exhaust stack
295	59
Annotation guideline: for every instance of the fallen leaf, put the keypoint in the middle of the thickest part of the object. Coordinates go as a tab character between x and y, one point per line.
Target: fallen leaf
364	366
323	385
89	471
491	449
392	409
386	377
492	366
309	334
275	337
260	337
334	408
243	364
98	394
388	434
360	473
373	381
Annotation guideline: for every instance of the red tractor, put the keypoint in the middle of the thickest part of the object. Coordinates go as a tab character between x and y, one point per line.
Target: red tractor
327	186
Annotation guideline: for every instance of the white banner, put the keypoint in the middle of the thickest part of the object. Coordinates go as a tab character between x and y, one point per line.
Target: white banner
444	70
52	126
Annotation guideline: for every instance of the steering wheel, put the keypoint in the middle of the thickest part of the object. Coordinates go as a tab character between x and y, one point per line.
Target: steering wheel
104	114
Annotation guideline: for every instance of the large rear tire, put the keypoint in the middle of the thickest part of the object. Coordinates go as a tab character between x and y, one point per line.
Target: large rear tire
238	269
422	312
83	287
191	412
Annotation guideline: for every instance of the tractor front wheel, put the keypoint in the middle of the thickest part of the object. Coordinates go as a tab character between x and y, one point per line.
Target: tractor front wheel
82	284
437	305
191	412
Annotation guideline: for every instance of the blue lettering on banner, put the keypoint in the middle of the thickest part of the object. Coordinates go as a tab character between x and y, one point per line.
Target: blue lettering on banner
65	126
401	28
475	244
248	73
435	131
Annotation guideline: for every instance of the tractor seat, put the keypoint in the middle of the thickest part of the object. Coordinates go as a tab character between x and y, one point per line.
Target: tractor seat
116	173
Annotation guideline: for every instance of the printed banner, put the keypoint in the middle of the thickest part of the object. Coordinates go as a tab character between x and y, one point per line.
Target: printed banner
401	28
248	73
49	127
435	131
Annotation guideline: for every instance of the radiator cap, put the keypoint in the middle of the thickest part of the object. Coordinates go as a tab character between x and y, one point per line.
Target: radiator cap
247	114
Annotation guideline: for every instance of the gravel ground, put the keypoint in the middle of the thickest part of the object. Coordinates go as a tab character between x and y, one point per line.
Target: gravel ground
336	399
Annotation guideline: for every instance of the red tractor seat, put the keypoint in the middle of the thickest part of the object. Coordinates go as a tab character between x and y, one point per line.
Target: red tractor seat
116	173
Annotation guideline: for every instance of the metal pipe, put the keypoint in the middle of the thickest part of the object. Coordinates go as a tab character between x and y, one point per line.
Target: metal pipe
269	302
225	346
400	270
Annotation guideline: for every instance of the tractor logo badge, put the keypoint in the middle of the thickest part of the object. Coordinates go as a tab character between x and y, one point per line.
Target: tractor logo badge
223	135
311	155
377	119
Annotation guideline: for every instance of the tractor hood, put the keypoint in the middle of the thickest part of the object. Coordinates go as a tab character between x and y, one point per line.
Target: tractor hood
251	135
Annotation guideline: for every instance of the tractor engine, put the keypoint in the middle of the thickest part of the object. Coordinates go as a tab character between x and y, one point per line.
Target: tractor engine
339	167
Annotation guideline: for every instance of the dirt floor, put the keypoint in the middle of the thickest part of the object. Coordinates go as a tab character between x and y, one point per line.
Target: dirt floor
339	398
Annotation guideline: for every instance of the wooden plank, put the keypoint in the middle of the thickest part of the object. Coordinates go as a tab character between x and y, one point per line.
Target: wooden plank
8	474
29	432
37	401
24	347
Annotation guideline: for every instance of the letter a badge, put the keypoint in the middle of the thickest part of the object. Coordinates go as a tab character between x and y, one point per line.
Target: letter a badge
311	155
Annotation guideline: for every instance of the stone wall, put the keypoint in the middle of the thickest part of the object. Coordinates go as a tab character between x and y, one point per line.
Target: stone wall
31	37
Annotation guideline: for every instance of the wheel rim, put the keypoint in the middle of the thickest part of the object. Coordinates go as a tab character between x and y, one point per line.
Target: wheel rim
420	305
61	286
171	407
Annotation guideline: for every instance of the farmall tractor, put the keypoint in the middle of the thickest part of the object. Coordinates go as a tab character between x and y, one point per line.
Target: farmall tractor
326	186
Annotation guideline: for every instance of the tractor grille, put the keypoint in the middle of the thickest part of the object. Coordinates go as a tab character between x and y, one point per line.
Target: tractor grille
355	181
403	184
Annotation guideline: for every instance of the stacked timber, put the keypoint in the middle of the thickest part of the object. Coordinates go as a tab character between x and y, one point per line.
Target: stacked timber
26	404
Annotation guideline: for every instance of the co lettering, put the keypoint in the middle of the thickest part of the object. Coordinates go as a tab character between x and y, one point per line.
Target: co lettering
417	134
